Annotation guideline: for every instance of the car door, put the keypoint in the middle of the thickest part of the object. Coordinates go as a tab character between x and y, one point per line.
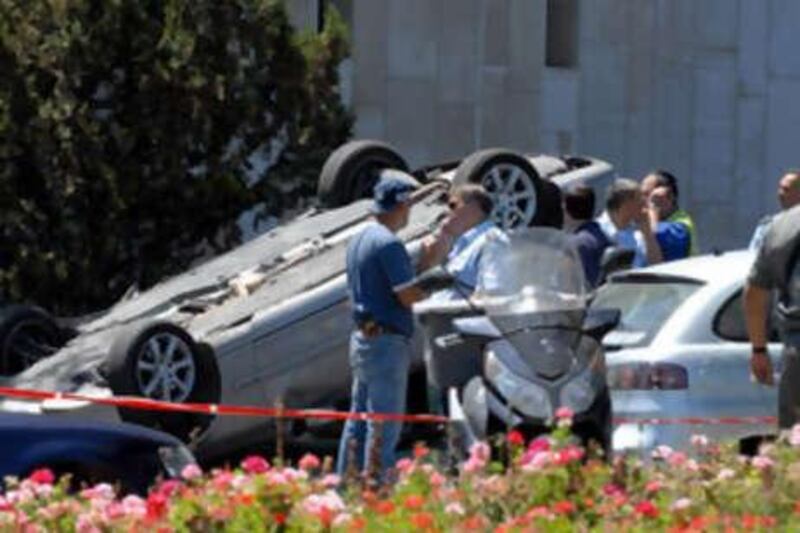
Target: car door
731	392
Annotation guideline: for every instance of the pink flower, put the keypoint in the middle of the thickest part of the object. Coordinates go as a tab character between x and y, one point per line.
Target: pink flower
454	508
480	451
794	435
676	458
309	462
539	444
681	504
699	441
653	486
726	474
322	505
564	413
536	461
404	465
85	524
222	479
42	476
169	487
436	479
662	452
101	491
134	506
330	480
762	462
255	464
191	471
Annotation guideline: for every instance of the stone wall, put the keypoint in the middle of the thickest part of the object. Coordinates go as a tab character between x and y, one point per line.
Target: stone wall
705	88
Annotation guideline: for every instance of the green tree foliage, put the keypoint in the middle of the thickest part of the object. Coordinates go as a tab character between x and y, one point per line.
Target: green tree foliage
128	131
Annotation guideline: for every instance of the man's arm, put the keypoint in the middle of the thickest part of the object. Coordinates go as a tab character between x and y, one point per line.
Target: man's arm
409	295
434	250
648	223
756	310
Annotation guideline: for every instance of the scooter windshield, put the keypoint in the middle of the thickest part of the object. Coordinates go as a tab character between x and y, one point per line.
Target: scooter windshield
531	276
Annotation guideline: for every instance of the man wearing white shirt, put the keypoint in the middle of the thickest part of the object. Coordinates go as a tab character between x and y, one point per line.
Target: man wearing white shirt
624	220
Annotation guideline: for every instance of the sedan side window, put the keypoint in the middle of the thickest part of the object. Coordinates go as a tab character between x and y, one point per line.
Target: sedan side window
730	325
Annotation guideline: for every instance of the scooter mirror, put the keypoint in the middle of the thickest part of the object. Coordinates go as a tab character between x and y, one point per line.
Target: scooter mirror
615	259
599	321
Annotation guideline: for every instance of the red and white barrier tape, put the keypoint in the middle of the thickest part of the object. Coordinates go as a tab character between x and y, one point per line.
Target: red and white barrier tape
135	402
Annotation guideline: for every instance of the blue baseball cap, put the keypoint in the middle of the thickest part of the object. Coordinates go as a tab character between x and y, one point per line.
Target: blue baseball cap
393	188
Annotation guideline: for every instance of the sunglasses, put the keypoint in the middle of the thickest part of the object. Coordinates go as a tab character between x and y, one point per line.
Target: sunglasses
454	204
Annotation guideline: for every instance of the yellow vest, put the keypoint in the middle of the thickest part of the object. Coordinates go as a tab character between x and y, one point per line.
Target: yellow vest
683	217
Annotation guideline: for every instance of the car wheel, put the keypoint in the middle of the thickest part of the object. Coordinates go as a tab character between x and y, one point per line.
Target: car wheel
510	179
161	361
27	335
351	171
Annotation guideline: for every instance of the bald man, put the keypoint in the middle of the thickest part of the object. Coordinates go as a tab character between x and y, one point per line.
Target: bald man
788	197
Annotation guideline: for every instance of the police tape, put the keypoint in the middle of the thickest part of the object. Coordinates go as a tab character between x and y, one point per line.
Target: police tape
136	402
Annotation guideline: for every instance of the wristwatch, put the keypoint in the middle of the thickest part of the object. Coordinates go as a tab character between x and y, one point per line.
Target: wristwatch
759	349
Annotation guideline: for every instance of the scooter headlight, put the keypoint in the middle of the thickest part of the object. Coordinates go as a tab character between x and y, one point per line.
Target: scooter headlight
579	393
529	398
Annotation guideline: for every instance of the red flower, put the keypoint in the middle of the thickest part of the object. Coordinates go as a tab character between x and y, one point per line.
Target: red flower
564	507
515	438
420	451
156	505
280	518
384	507
255	464
647	508
797	507
422	520
414	501
42	476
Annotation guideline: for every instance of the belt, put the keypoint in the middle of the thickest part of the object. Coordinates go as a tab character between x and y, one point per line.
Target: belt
370	329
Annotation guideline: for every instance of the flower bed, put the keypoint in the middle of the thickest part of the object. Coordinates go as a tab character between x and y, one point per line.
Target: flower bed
548	484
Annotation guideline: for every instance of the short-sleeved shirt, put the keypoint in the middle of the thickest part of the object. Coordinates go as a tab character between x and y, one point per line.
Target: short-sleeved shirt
628	238
590	241
464	258
674	239
775	265
759	232
377	266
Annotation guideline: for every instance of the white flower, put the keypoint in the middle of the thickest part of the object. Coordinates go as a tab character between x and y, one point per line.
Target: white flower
680	504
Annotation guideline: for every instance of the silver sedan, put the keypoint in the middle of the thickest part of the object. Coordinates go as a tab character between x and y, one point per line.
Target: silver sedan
678	363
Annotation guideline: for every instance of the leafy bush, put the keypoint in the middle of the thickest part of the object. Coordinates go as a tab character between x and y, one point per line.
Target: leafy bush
548	485
128	130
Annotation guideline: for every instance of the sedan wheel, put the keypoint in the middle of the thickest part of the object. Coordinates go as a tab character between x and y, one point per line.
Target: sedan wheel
510	179
161	361
27	335
165	368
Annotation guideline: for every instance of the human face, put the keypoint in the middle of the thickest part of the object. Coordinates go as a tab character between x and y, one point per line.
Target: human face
658	197
463	215
789	191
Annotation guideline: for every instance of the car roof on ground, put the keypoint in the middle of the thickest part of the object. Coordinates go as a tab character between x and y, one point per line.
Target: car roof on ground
724	267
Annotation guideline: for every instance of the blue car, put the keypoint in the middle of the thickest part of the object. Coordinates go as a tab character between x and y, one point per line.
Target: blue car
127	454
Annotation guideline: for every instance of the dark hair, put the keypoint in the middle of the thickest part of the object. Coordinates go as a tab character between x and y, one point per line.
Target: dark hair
471	192
579	202
666	179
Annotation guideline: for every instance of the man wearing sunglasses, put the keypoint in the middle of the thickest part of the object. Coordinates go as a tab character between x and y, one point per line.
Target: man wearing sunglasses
462	236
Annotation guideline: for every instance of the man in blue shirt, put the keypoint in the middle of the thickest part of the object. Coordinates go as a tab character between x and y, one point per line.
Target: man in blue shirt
379	276
625	211
587	236
462	236
673	227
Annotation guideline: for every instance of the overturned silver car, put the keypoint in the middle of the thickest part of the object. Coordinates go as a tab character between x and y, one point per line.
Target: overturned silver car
267	322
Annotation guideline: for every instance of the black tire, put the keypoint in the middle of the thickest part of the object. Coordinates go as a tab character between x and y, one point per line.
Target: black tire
27	334
490	168
195	368
350	172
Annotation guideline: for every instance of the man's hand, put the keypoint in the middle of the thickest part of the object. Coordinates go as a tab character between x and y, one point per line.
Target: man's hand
761	367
